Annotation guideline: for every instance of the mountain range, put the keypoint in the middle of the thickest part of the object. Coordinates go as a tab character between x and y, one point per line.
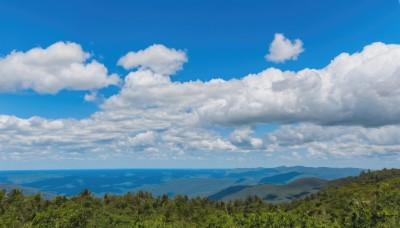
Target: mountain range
271	184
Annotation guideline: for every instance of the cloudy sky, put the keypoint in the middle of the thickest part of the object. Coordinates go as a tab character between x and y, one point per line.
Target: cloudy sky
199	84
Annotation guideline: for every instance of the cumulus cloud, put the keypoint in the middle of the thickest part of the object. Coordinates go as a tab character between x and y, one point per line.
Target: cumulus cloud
91	97
346	109
158	58
49	70
338	141
24	139
282	49
242	137
357	89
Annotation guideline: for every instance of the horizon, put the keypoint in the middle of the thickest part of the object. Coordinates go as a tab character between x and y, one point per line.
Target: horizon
199	85
271	167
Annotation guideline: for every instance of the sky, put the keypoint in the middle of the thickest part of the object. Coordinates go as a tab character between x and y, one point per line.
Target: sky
199	84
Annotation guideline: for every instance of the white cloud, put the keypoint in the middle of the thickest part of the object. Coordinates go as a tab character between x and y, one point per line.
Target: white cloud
242	138
144	139
158	58
49	70
91	97
338	141
358	89
282	49
346	109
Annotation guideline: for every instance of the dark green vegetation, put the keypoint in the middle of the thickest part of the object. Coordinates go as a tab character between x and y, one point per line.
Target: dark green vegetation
369	200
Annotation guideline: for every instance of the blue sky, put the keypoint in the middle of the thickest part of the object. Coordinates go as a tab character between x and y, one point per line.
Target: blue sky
330	114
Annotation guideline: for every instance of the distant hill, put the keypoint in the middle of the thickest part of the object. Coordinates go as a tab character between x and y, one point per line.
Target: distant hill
26	190
280	178
230	181
192	187
273	192
190	182
283	184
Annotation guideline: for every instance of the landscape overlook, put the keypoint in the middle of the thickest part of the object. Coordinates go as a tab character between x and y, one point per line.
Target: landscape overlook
156	113
193	183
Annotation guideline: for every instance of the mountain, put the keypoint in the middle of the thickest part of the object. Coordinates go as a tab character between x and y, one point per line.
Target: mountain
280	178
192	187
190	182
284	184
26	190
229	181
273	192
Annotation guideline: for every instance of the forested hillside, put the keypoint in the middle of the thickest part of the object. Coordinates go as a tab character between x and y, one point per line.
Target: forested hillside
371	199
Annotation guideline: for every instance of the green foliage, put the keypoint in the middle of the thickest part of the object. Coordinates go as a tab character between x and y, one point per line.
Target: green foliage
369	200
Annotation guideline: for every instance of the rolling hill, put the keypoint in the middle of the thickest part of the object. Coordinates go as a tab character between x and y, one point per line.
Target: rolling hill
190	182
273	192
26	190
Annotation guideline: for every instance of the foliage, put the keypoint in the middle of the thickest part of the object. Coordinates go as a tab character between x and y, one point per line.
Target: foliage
369	200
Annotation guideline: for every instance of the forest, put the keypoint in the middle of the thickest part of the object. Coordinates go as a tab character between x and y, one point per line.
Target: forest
371	199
